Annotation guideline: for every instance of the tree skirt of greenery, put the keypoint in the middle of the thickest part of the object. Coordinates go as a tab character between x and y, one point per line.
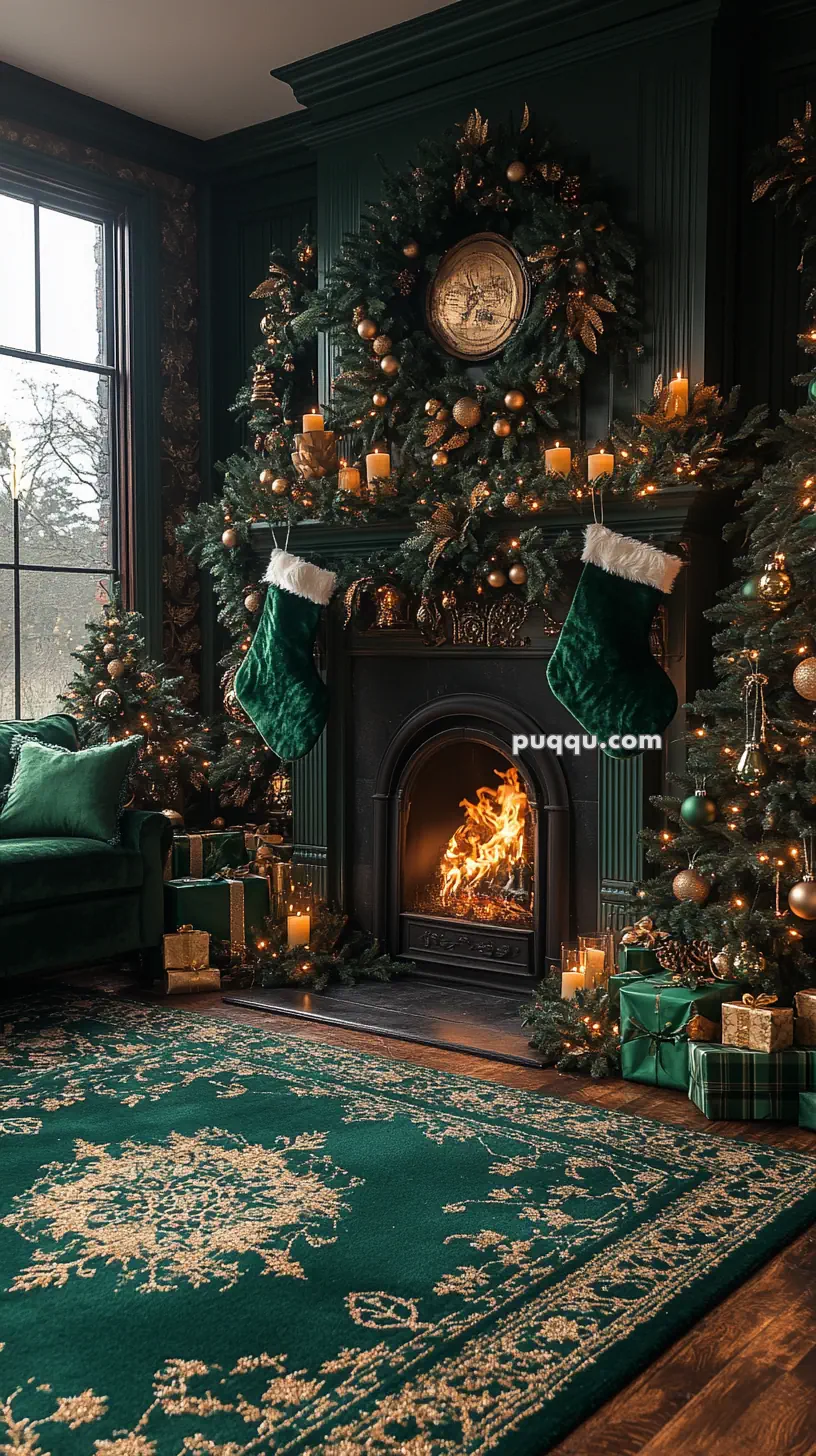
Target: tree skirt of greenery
215	1239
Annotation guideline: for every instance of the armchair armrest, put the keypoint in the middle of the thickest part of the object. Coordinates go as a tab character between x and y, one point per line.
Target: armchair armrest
151	834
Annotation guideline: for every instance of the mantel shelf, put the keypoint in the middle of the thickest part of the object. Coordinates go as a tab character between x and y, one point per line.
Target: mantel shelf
666	516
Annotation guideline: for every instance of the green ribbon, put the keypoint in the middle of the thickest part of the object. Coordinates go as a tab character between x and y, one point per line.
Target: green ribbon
657	1040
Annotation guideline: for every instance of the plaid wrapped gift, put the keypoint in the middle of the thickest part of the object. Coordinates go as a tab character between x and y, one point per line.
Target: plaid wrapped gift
232	910
197	856
736	1084
804	1027
755	1023
658	1019
807	1110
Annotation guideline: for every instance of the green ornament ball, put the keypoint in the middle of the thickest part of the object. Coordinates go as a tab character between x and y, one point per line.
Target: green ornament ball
750	589
698	810
812	389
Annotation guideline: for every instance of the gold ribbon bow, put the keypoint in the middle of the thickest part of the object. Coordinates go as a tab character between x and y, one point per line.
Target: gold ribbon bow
643	932
241	872
180	929
755	1002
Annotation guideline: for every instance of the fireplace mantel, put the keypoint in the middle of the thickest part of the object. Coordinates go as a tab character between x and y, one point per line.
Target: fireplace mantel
324	827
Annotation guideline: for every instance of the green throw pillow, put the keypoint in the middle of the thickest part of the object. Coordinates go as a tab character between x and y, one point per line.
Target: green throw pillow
55	793
57	728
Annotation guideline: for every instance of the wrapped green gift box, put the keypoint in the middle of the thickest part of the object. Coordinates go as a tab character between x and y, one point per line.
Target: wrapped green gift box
196	856
807	1110
656	1023
736	1084
234	911
640	958
622	978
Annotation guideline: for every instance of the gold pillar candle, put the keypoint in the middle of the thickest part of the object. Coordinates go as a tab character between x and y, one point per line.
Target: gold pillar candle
677	402
349	479
601	462
298	928
312	421
378	466
558	459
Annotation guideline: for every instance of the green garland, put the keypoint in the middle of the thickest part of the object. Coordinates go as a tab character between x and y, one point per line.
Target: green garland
335	955
577	1035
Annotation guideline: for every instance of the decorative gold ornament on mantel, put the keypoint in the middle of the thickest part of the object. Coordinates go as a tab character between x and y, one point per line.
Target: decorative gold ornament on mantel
315	454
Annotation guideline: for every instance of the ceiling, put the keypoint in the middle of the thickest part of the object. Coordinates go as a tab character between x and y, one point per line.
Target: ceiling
200	66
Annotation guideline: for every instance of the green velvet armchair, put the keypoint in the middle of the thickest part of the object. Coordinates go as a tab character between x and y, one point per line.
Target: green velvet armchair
69	902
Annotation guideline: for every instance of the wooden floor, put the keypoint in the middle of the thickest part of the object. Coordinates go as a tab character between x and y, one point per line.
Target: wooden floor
743	1380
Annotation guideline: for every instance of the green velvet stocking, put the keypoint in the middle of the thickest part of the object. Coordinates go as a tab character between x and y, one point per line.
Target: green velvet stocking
277	684
602	669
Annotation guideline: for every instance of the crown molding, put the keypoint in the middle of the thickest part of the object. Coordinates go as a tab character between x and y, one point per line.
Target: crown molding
441	56
280	145
30	100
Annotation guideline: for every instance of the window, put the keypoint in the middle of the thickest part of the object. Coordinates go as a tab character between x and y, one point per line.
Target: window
58	434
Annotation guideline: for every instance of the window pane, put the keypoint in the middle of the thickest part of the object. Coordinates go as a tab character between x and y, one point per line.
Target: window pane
6	645
54	609
72	287
17	327
60	420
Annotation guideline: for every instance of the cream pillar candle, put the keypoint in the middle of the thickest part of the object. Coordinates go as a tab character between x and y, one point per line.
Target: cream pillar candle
313	421
558	459
602	462
571	981
594	965
348	479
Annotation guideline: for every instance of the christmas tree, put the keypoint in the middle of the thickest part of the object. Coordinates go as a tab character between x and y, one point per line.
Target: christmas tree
118	692
246	775
737	870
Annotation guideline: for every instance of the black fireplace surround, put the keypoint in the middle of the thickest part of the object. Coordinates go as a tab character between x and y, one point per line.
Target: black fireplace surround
441	753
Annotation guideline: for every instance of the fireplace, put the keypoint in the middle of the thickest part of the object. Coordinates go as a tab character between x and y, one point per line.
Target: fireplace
471	846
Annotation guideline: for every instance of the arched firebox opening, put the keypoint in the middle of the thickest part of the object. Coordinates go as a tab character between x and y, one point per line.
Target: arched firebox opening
471	845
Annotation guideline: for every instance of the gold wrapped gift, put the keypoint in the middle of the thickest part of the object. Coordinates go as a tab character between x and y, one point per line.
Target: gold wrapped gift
186	949
756	1024
805	1025
183	982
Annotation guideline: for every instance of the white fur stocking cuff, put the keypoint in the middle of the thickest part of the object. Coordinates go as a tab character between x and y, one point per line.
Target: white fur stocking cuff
300	577
634	560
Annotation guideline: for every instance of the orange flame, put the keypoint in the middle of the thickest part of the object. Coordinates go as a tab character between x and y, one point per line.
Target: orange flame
490	843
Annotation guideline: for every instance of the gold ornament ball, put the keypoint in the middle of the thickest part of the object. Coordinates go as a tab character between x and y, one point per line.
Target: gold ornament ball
380	400
367	329
774	586
496	578
411	250
109	650
432	407
176	819
307	500
516	172
266	477
502	427
512	500
108	700
280	485
116	667
802	898
804	679
229	538
515	400
691	885
390	364
252	601
383	344
518	574
467	412
439	458
721	964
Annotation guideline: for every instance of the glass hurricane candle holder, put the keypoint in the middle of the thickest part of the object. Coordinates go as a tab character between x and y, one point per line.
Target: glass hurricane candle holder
596	954
300	908
572	974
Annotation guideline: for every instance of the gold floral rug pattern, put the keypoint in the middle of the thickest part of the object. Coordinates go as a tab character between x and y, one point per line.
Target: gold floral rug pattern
220	1242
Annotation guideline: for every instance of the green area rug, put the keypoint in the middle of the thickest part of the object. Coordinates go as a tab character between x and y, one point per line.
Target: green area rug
217	1241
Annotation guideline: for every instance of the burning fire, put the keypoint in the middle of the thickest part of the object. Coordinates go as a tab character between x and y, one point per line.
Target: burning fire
486	854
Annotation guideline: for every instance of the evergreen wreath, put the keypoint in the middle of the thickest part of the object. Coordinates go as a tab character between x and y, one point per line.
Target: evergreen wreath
580	266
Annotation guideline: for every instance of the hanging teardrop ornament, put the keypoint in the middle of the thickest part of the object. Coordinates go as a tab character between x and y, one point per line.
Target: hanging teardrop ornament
752	765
